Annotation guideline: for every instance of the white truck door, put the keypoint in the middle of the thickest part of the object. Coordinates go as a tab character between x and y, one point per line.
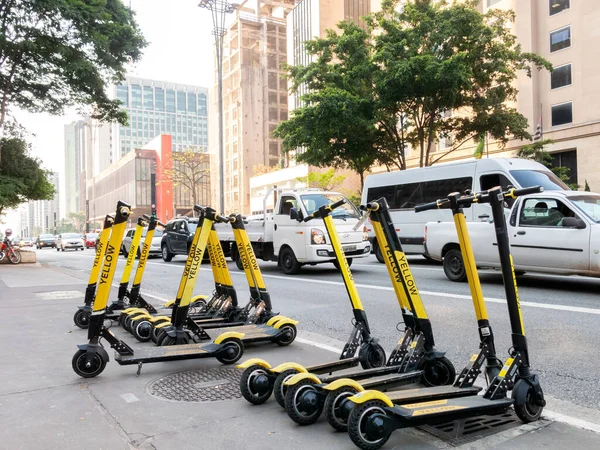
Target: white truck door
287	231
539	238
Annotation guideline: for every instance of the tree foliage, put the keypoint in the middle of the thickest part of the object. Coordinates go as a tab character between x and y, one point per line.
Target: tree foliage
189	169
326	181
536	152
59	53
21	176
432	69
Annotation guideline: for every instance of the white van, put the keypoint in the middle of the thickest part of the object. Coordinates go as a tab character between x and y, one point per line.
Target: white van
406	189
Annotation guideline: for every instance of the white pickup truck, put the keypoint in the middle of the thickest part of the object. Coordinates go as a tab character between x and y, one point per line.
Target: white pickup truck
554	232
281	237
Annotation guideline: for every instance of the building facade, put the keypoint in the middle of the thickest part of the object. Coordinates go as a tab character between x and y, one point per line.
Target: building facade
75	140
39	216
159	107
254	98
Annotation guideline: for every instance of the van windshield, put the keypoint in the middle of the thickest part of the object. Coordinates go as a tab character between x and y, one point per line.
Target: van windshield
312	202
546	179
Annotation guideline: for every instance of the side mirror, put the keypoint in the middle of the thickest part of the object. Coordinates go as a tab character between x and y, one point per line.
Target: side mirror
296	214
573	222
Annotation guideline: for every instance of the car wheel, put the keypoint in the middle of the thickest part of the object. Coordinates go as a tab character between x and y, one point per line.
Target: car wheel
454	267
166	255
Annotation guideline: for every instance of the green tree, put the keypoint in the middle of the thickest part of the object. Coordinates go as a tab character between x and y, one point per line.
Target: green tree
536	152
336	125
21	176
326	181
429	70
59	53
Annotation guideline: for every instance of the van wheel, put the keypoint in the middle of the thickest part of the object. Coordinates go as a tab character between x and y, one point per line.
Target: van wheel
337	264
454	268
378	253
288	261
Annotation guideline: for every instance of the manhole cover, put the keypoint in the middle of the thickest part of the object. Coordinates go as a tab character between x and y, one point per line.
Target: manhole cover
463	431
53	295
203	385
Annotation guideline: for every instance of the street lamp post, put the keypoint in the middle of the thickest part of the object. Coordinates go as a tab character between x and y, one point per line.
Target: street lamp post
218	9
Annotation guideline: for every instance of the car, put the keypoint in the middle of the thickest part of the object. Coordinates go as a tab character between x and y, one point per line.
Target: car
45	240
26	242
177	237
154	247
89	240
67	241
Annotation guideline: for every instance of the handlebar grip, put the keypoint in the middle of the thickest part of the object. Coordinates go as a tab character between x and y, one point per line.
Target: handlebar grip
222	219
307	218
161	224
432	205
145	217
524	191
198	208
337	204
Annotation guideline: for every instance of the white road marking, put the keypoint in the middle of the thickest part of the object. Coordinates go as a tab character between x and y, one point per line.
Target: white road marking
129	397
413	267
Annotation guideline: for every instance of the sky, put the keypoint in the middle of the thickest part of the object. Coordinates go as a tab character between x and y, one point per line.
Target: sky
180	50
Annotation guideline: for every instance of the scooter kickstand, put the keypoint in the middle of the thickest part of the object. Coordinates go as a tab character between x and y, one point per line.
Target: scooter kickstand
139	371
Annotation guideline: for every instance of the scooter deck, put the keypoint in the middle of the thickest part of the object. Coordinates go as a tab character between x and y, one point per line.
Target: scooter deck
368	373
334	366
252	332
385	382
432	393
422	413
169	353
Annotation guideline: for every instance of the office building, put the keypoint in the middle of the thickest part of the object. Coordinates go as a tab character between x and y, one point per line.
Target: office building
254	97
38	216
75	141
160	107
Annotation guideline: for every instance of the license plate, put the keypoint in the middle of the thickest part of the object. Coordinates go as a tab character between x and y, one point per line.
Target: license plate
349	248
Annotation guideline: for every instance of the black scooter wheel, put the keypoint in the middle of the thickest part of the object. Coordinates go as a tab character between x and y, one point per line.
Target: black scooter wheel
142	331
287	335
437	372
302	404
80	367
372	355
82	319
232	351
158	335
279	389
529	411
333	407
362	430
255	385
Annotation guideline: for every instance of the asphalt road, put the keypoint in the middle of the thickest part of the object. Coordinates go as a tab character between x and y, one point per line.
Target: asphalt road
561	314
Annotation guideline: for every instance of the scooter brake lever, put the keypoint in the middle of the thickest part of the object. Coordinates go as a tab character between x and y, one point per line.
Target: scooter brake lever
362	220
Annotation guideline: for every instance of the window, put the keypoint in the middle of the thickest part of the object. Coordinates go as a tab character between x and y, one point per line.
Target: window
567	159
159	99
171	101
181	102
123	95
191	97
492	2
557	6
544	178
560	39
562	114
202	105
561	76
544	212
286	204
136	96
148	97
492	180
434	190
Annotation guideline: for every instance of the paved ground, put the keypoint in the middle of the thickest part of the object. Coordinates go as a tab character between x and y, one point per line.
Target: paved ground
43	404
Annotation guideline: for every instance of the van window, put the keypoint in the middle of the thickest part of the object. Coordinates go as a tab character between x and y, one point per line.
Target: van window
549	181
407	196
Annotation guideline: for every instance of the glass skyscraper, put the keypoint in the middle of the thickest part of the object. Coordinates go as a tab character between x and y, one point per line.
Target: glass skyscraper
158	107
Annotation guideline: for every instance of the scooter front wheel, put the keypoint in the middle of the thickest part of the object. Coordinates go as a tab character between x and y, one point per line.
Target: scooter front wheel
362	430
82	319
333	407
255	385
437	372
530	410
279	389
302	403
371	356
81	368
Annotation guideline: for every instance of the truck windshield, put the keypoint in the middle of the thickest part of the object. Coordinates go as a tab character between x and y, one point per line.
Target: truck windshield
312	202
589	204
549	181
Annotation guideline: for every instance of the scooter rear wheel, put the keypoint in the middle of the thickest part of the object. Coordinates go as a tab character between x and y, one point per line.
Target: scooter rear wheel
279	389
95	368
361	432
142	331
248	388
82	319
297	407
233	351
287	335
333	403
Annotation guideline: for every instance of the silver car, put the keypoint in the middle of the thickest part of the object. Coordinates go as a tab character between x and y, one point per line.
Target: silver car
66	241
154	248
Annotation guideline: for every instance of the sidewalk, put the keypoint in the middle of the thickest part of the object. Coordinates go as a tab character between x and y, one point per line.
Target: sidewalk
43	404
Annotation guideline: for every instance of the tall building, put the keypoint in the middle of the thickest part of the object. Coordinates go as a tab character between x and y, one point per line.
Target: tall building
160	107
41	214
75	150
254	97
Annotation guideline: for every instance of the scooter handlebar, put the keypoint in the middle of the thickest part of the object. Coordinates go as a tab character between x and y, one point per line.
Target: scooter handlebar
328	208
224	219
432	205
484	197
148	218
513	193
